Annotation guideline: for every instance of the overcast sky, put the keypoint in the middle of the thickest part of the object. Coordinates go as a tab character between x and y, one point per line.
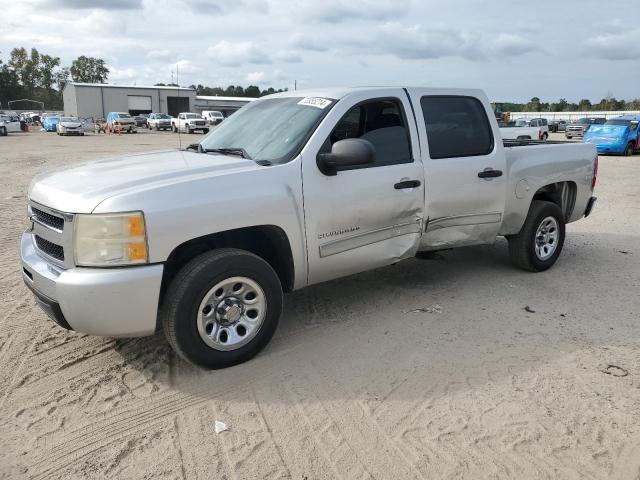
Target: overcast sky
513	49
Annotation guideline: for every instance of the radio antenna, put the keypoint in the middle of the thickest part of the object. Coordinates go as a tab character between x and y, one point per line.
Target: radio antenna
178	122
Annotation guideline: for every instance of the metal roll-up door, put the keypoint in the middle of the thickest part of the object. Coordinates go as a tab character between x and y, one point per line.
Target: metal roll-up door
139	103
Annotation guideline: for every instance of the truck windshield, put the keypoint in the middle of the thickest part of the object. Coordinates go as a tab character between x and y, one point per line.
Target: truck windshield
272	129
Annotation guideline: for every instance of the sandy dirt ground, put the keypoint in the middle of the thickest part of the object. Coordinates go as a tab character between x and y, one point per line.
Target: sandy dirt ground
426	369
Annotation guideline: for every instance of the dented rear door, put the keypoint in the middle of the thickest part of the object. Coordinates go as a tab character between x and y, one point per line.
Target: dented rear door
465	167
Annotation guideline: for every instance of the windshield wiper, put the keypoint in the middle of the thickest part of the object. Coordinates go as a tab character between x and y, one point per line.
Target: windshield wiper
240	152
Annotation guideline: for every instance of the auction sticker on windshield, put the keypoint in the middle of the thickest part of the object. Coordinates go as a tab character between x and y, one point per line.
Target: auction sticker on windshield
315	102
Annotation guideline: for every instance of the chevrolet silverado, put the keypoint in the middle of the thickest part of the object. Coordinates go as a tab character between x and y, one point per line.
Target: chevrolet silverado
294	189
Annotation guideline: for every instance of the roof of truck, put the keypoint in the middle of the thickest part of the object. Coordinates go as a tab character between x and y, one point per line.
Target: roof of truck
340	92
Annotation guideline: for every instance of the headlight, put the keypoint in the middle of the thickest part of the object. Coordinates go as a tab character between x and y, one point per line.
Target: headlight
111	239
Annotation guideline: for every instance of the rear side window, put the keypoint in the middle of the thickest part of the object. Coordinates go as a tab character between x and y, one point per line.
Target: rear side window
456	127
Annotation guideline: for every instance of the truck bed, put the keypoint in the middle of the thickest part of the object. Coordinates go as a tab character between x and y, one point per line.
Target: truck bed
524	143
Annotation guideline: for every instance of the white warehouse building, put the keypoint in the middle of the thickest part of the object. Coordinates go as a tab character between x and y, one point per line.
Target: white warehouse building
96	100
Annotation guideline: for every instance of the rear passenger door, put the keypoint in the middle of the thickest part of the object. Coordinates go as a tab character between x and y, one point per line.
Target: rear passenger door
465	168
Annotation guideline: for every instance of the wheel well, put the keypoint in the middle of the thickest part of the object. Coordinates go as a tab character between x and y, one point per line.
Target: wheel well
267	241
562	194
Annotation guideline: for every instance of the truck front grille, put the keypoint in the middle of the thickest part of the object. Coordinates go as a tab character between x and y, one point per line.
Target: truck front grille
50	248
48	219
200	123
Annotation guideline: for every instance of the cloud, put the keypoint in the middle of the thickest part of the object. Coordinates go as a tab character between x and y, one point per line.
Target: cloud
230	54
306	42
186	66
97	5
418	43
288	57
163	54
223	7
120	75
255	77
614	46
513	45
336	11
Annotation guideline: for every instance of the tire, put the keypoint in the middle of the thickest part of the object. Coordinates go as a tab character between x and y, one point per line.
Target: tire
3	132
175	130
181	312
205	131
189	131
523	246
629	150
545	136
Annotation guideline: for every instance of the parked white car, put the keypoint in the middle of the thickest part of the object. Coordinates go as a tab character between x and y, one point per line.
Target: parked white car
9	124
189	122
214	117
70	126
294	189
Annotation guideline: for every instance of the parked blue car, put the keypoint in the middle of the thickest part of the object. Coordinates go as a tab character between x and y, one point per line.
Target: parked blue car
617	136
49	123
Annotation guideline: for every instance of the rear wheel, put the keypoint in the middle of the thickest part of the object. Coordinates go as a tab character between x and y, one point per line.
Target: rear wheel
545	136
222	308
629	150
539	243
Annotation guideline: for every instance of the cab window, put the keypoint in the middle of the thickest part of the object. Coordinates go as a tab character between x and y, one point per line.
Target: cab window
381	122
457	126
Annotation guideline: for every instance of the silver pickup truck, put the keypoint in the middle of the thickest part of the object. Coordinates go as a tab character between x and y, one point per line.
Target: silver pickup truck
294	189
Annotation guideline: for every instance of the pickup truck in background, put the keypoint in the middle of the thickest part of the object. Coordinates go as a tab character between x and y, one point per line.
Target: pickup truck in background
9	124
214	117
121	122
618	136
294	189
582	125
521	129
189	123
159	121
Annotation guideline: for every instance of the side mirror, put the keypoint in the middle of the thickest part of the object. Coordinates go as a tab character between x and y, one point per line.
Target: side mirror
346	153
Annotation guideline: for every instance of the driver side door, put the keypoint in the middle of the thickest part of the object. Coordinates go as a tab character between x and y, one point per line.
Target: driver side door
371	215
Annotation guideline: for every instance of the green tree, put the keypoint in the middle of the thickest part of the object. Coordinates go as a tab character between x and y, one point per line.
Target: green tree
47	71
585	105
89	70
534	105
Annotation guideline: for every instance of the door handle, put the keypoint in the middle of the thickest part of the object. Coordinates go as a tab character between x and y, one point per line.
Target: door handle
407	184
490	173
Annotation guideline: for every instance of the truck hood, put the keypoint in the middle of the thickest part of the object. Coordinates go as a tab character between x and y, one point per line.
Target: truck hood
80	188
70	124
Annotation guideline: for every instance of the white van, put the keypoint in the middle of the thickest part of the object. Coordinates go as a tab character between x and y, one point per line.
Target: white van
214	117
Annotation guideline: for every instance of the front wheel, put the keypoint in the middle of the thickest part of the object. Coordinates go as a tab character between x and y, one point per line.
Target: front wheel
3	131
545	136
539	243
205	131
222	308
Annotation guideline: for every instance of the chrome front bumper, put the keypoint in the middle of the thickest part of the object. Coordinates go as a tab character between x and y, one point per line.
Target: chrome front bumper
113	302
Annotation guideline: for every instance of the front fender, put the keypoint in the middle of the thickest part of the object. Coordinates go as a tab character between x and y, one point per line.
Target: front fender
192	208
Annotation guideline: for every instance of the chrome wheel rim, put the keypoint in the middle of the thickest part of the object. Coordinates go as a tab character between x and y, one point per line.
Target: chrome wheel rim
546	240
231	313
